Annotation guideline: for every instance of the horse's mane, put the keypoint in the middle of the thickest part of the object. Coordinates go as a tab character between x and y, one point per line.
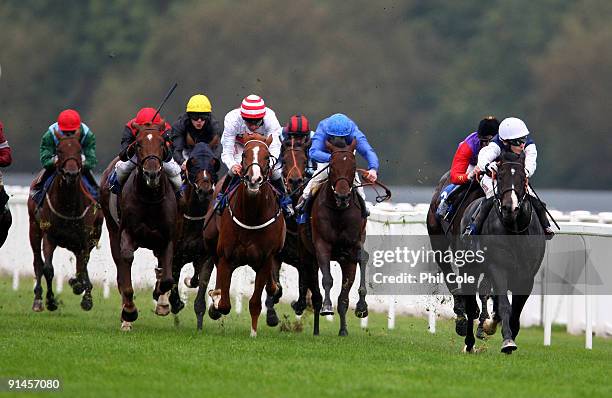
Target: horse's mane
338	142
510	156
255	137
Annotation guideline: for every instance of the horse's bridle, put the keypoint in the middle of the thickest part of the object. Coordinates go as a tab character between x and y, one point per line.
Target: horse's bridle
499	197
292	149
350	181
265	172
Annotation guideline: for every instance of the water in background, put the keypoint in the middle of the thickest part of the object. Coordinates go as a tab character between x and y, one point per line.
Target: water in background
558	199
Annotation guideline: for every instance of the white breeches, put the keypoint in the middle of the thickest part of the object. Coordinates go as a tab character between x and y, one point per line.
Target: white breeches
171	168
321	177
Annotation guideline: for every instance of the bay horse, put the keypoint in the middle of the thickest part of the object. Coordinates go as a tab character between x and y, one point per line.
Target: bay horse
338	233
251	230
69	217
146	216
190	242
515	244
444	234
294	157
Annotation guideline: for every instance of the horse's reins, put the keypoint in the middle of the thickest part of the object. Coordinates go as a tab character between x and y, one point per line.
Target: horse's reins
379	198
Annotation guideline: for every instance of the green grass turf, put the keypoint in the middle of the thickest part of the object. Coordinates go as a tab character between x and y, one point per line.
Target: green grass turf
158	358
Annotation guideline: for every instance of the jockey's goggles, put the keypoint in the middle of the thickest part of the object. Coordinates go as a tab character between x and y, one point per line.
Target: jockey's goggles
198	116
253	122
517	141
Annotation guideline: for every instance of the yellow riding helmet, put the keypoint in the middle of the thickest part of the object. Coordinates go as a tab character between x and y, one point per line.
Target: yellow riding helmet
199	103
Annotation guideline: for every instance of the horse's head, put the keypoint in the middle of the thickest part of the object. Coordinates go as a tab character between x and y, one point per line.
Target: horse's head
202	183
256	161
151	150
342	167
294	153
68	151
511	184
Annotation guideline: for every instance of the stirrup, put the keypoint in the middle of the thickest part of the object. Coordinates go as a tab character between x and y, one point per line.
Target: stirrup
470	230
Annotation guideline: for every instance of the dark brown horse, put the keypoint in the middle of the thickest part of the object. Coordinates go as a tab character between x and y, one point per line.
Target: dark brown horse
5	216
294	155
147	213
70	218
443	235
190	245
338	233
250	231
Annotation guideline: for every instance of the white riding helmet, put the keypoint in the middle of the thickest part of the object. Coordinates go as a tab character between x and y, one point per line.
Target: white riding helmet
511	128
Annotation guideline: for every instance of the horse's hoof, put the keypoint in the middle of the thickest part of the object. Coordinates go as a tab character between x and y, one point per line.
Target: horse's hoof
361	311
126	326
77	286
461	326
508	346
177	307
213	313
253	332
86	303
38	306
51	304
129	316
327	309
163	305
271	318
467	350
490	327
187	282
298	307
480	334
343	332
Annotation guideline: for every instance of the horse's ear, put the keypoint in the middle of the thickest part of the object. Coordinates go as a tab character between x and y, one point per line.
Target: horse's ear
307	142
135	126
77	134
214	142
161	125
269	139
329	146
353	145
57	134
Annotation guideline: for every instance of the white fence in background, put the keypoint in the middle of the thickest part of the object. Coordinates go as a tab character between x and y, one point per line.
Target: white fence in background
579	313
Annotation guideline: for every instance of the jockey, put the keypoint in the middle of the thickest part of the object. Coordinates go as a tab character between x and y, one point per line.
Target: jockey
127	158
252	117
298	127
5	161
513	136
68	123
193	133
337	125
464	161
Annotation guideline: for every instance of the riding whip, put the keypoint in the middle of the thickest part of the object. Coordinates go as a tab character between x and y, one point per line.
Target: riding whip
164	101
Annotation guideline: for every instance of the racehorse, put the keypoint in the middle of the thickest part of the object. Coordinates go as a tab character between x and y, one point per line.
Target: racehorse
70	218
294	156
338	233
443	235
145	216
515	246
190	243
251	230
5	217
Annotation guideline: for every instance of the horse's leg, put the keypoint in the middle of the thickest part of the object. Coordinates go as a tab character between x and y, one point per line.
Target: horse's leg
518	302
300	304
165	263
490	325
274	291
500	284
261	277
176	304
221	304
48	249
484	292
348	277
199	304
471	308
323	250
35	244
361	309
126	248
82	280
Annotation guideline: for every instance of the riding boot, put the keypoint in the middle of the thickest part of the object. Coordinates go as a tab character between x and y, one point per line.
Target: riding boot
221	199
37	189
365	213
303	208
284	199
540	209
483	211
